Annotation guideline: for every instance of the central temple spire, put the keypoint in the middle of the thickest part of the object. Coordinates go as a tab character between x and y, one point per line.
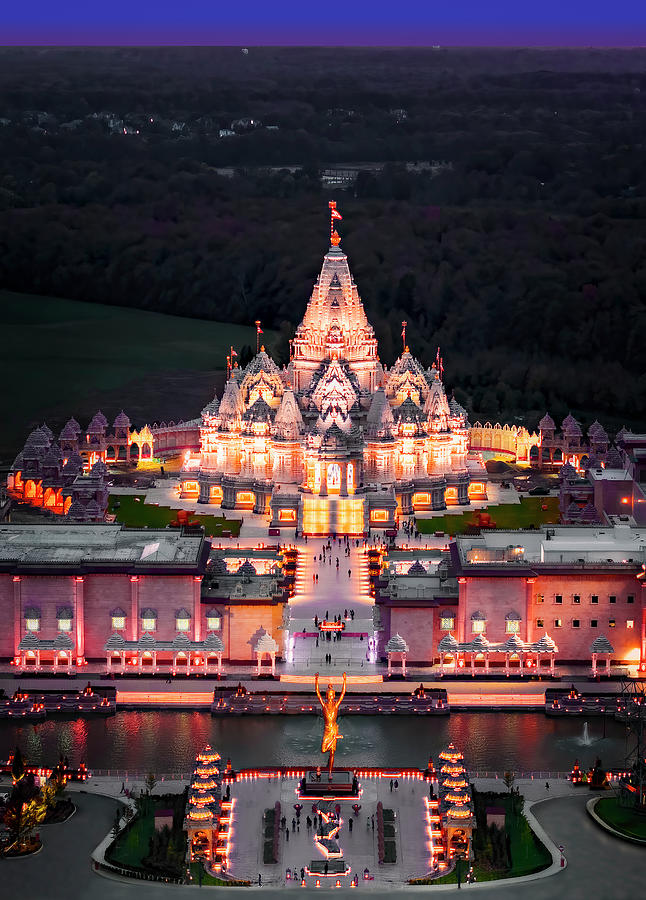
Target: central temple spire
335	325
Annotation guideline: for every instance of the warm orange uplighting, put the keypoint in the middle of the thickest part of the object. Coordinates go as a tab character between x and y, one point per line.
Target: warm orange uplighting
165	698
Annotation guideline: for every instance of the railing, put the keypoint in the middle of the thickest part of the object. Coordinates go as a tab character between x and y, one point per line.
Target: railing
120	775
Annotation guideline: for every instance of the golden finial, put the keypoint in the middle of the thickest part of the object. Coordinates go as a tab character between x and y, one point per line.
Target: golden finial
262	348
335	240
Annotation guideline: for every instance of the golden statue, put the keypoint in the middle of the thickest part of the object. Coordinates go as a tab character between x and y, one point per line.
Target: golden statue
330	712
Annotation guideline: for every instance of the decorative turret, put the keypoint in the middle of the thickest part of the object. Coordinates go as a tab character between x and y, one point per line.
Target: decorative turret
437	407
288	422
211	409
379	421
231	406
613	459
547	427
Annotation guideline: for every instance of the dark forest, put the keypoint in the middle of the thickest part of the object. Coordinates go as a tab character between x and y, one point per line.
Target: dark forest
521	252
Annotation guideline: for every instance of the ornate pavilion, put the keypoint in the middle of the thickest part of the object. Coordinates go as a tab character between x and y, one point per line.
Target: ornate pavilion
334	442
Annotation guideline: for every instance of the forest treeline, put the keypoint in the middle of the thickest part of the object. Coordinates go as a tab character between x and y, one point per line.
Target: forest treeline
525	261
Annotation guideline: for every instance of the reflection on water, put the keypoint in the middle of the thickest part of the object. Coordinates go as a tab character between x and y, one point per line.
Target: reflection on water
167	741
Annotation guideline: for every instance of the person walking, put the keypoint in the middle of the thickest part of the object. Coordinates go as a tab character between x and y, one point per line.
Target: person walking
349	573
547	785
350	825
259	879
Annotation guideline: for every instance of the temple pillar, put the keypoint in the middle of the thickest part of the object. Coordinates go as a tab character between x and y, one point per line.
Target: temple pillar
134	607
594	664
529	590
79	603
273	663
343	487
551	663
197	609
219	663
17	612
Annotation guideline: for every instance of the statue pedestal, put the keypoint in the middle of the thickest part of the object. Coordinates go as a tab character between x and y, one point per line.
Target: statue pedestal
343	785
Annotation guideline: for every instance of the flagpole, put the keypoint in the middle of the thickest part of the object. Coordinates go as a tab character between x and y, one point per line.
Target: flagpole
404	324
258	333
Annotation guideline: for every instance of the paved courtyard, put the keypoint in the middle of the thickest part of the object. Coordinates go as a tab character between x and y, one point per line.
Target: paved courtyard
599	866
359	846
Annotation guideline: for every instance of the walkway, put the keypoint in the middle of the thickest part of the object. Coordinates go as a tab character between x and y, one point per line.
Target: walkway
335	592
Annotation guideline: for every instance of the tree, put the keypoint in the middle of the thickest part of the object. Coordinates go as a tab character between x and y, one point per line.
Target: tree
21	819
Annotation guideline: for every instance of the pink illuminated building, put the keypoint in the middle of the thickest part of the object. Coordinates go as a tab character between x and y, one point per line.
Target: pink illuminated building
334	442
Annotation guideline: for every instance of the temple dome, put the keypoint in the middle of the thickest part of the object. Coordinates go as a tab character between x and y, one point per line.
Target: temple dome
597	433
231	406
613	459
546	423
545	645
211	408
266	644
121	421
601	645
570	426
417	569
397	644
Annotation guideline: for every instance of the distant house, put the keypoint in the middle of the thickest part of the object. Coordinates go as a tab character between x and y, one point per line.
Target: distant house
271	127
246	123
226	132
398	113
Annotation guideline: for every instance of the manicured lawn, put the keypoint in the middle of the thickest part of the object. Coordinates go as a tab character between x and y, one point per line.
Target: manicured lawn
211	879
133	512
65	357
621	818
132	845
506	515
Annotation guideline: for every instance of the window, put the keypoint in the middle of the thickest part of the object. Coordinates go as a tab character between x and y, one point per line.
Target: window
478	626
576	598
558	598
118	623
630	623
540	623
594	599
512	626
576	623
182	623
65	624
149	623
558	623
630	598
612	598
594	623
213	621
447	623
540	598
611	623
32	624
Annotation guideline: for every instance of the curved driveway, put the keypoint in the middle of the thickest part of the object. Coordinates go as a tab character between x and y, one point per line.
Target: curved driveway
600	867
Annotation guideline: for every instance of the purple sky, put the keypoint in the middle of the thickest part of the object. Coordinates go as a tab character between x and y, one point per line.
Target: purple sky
352	22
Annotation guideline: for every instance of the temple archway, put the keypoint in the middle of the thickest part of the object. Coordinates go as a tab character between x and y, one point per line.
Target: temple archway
334	478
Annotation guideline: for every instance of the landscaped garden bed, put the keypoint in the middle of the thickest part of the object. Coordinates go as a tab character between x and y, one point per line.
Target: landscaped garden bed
511	852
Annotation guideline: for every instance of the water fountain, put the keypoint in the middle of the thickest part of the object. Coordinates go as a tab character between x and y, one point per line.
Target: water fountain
586	740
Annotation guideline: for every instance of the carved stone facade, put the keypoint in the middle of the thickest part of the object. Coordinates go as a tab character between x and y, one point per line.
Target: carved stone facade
334	442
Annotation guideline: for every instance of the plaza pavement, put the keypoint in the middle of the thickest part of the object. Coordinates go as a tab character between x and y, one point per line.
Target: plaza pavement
600	867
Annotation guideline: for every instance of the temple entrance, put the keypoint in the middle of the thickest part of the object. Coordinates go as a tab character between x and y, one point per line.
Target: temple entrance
332	515
333	478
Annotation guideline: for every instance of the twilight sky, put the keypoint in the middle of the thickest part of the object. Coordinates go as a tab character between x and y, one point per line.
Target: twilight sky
337	22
